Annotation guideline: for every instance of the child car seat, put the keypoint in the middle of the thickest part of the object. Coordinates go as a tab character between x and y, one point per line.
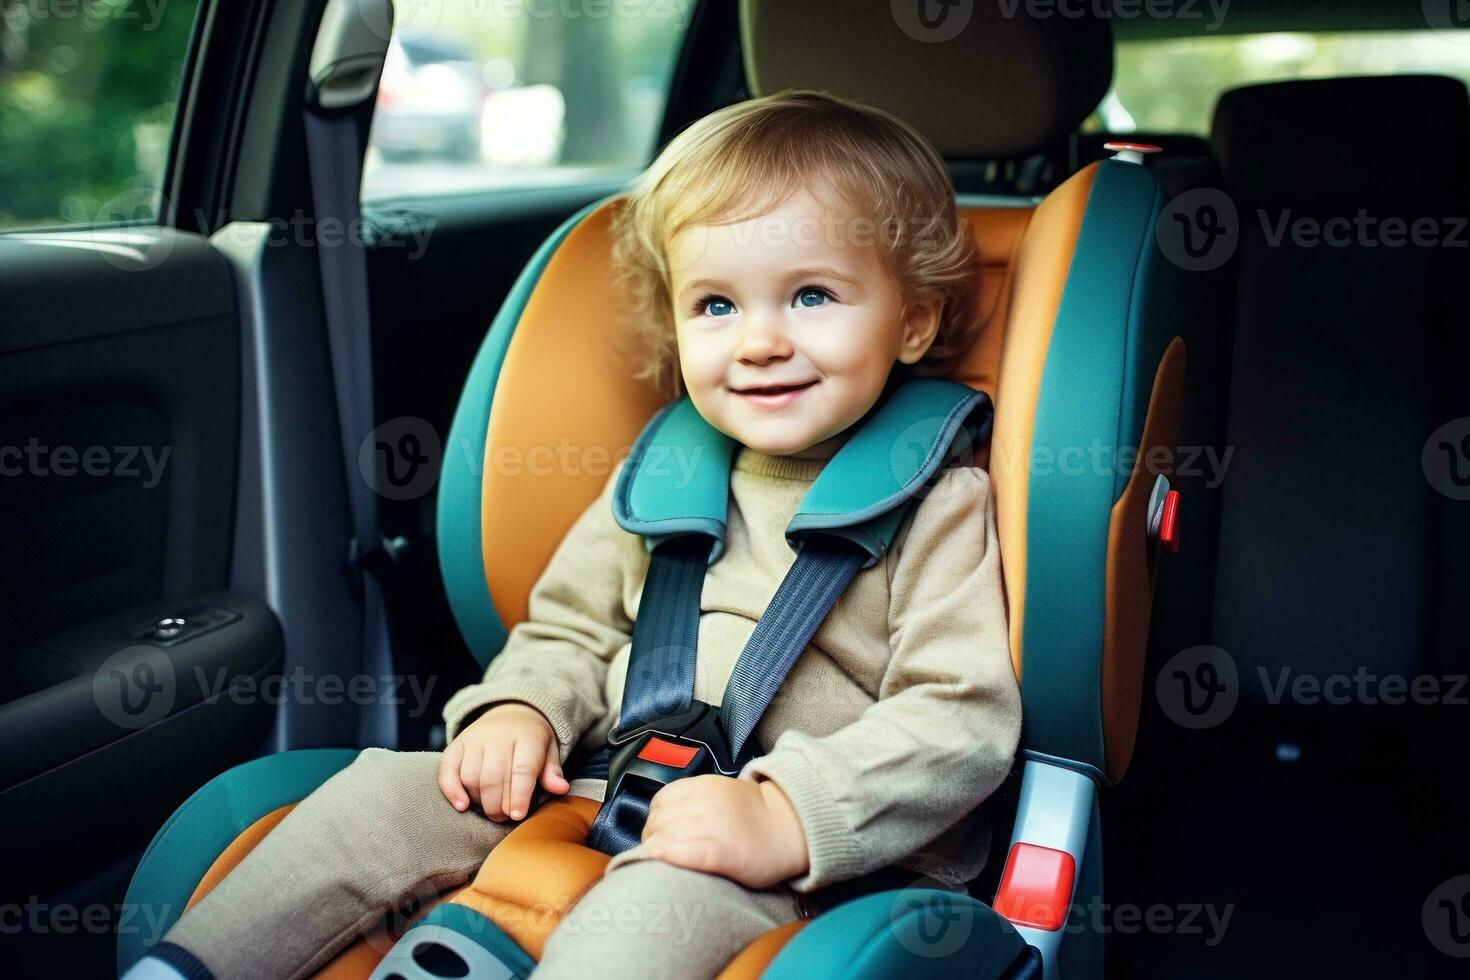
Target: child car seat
1082	358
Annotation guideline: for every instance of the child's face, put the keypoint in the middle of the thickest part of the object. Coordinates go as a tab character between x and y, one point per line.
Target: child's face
788	324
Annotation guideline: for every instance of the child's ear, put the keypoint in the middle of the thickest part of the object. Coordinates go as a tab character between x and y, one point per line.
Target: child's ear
920	325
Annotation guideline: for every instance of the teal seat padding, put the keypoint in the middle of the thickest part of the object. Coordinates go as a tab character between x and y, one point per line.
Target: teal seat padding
461	555
677	477
1111	330
204	825
476	927
913	932
1084	949
888	459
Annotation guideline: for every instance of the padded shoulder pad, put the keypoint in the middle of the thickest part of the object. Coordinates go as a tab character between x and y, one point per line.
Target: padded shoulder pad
677	479
861	493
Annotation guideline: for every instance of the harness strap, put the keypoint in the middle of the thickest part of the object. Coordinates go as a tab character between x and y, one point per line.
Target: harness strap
619	824
660	678
845	523
822	570
662	671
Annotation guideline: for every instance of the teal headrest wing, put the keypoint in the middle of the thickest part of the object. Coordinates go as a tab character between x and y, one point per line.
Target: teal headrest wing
861	493
677	479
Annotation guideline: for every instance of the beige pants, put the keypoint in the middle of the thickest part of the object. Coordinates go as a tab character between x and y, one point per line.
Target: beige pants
380	834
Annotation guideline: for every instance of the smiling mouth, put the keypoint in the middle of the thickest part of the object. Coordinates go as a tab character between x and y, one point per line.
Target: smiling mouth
769	390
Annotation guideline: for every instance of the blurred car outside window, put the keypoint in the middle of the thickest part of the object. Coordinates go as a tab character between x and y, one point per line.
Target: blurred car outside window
88	93
1170	85
492	94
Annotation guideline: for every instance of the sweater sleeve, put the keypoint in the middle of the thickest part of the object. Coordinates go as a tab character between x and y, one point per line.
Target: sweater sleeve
943	733
557	659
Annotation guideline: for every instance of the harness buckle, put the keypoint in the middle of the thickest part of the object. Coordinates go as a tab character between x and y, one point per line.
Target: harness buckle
693	742
690	743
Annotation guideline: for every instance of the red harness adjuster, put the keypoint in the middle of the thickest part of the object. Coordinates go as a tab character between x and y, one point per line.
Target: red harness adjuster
1036	887
668	753
1169	523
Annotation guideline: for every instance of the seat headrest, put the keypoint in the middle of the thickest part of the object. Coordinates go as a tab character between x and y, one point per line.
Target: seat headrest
977	83
1397	140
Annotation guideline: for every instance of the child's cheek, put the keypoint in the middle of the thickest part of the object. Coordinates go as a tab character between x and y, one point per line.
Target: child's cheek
704	356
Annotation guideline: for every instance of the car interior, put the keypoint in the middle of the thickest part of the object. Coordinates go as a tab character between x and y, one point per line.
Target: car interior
252	534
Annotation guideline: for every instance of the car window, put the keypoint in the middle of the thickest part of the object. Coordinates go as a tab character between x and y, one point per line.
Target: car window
87	98
1171	85
480	94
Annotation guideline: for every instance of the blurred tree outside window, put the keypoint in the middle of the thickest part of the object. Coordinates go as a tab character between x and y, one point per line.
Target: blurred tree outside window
1171	85
88	90
478	94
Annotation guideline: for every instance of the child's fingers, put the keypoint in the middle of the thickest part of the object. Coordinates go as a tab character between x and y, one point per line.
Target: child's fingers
449	783
650	826
469	770
551	773
524	768
492	781
698	854
665	819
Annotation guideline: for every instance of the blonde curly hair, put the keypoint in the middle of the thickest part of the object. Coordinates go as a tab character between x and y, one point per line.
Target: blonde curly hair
746	160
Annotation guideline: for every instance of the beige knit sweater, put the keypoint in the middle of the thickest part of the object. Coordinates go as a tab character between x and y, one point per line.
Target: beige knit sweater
901	716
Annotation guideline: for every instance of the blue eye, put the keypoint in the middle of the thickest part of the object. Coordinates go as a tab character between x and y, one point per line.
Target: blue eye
715	306
812	296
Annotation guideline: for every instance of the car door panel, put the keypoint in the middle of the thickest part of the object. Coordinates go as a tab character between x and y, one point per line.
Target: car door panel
119	422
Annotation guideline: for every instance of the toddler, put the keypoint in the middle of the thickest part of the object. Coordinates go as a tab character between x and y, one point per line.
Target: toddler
790	259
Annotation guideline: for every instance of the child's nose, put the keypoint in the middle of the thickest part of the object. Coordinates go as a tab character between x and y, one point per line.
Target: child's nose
762	339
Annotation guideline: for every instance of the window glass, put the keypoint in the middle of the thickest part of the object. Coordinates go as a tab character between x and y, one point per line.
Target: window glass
87	97
1172	85
481	94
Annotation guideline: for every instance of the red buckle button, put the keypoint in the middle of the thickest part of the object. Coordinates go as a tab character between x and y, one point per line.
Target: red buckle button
667	753
1169	523
1036	887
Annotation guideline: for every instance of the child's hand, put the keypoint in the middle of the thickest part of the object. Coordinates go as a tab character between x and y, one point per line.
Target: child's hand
496	760
744	830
